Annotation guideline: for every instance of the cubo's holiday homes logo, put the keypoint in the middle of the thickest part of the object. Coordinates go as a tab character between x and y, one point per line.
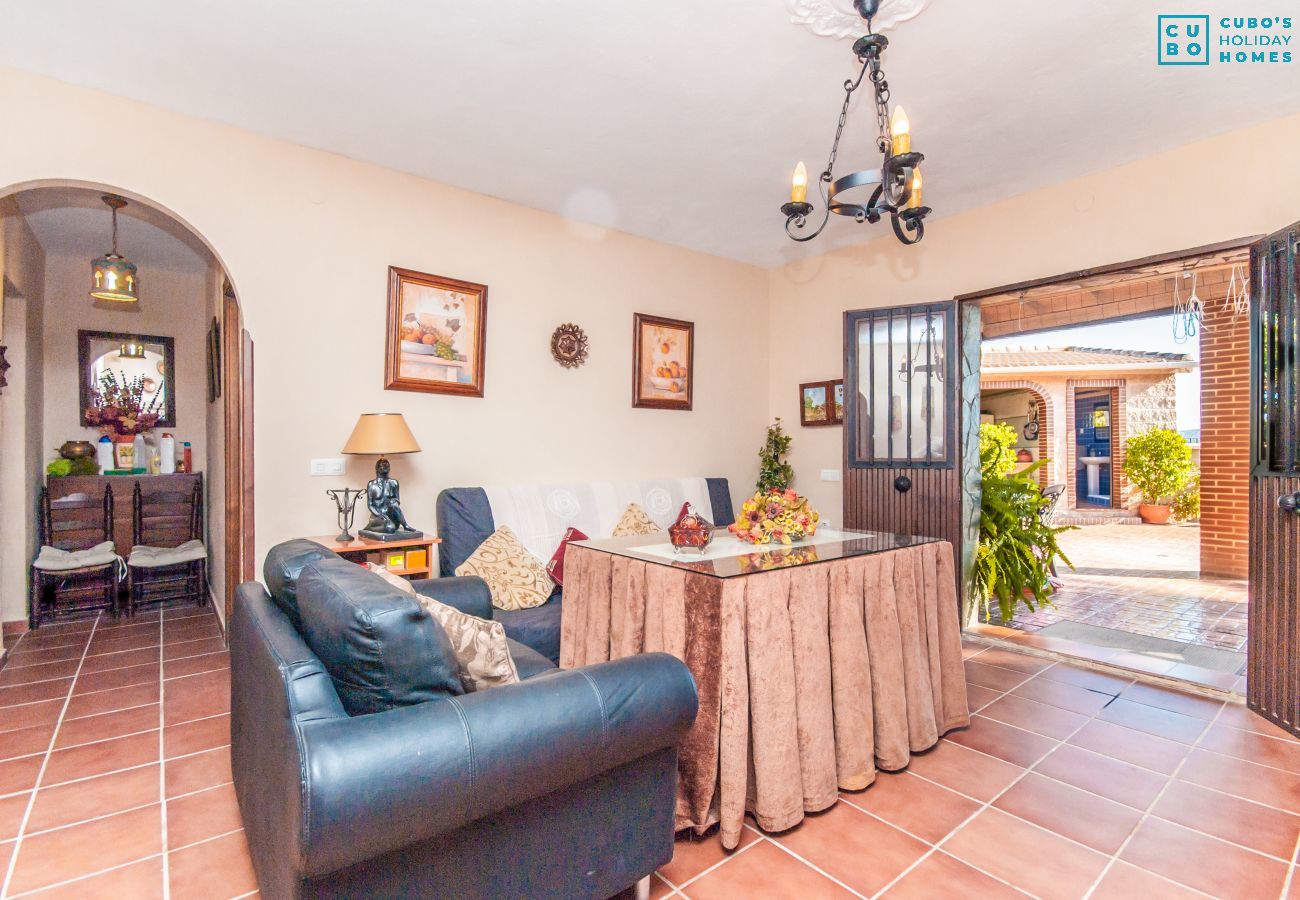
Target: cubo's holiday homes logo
1193	40
1183	40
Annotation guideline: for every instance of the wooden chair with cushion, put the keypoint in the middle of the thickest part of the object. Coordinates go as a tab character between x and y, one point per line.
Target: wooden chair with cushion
77	568
168	560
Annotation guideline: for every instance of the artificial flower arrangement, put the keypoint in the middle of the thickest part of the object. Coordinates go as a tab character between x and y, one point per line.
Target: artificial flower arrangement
775	517
119	408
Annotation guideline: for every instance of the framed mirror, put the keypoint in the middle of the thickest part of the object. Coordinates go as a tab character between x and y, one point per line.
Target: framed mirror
128	356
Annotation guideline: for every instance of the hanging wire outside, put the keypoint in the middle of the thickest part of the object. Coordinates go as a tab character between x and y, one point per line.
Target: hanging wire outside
1238	298
1189	314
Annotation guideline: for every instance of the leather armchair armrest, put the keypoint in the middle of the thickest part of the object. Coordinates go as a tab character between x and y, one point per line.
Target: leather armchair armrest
381	782
468	593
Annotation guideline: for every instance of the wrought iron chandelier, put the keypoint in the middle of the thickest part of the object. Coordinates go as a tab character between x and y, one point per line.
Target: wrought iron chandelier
898	180
113	276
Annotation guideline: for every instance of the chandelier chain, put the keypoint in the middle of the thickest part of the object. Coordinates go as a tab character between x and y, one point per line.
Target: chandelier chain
850	85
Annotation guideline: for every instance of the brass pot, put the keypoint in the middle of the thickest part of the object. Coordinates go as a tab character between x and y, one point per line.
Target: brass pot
77	450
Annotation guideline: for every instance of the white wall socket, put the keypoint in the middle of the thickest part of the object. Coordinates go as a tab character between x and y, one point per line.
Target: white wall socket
830	474
336	466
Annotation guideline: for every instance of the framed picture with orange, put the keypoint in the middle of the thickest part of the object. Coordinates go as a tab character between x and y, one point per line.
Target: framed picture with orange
821	403
663	362
437	331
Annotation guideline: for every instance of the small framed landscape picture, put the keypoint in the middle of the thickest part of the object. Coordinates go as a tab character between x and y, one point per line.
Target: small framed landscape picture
821	403
663	362
437	331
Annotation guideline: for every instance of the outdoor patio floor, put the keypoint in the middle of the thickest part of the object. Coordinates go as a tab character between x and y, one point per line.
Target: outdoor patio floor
1145	580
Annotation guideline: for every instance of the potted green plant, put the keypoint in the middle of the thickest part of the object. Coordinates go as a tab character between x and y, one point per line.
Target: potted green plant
774	473
1013	559
1159	464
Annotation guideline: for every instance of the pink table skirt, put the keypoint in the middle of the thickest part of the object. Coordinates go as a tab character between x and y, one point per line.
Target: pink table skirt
810	678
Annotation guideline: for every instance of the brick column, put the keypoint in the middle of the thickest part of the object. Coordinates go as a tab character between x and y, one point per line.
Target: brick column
1225	441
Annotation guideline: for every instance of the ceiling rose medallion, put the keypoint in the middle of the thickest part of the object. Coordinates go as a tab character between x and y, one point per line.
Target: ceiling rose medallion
840	19
569	345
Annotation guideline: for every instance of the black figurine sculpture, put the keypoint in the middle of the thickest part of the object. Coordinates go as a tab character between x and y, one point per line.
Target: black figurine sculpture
387	521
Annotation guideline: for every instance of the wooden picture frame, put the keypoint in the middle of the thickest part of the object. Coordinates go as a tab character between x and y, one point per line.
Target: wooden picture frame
214	361
450	318
660	380
821	403
93	346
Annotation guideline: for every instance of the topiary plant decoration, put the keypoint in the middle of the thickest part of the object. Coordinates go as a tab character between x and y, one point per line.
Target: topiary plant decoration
774	473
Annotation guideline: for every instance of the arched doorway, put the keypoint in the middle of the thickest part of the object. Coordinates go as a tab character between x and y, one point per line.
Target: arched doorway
1034	403
49	232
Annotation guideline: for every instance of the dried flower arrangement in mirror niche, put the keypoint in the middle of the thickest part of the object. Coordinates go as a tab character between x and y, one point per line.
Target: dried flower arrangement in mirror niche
569	345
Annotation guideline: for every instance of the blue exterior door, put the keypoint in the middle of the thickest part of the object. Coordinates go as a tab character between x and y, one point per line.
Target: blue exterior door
1092	423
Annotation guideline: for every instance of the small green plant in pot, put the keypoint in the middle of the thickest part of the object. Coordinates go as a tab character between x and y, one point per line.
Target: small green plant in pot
1013	562
774	473
1159	464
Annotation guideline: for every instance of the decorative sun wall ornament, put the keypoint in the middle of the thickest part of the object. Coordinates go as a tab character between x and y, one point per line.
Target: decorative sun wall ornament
840	19
569	345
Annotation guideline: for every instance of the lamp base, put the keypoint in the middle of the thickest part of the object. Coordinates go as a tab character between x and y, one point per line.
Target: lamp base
388	537
345	537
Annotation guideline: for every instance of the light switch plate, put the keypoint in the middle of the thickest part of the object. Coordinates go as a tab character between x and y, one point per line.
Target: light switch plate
830	474
335	466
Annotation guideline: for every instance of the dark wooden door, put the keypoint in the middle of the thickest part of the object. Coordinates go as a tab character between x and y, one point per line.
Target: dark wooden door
237	390
1273	648
902	385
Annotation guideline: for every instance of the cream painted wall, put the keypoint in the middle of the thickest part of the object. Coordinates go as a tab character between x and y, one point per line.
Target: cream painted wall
22	279
174	304
1171	201
307	238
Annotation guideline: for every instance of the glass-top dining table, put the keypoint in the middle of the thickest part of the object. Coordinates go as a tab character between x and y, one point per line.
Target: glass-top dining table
816	663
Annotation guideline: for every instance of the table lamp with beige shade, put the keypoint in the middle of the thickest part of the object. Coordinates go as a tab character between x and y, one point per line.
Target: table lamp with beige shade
383	434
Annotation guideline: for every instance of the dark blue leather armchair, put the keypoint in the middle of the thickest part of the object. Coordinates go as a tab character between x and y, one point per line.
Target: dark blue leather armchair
560	786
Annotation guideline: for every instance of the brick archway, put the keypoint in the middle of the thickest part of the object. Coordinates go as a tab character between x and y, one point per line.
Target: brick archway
1046	416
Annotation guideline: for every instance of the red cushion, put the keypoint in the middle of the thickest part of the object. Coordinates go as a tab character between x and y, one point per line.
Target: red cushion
556	565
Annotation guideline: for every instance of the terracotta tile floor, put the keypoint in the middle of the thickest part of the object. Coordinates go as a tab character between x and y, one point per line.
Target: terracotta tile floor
1069	783
1144	579
115	782
115	762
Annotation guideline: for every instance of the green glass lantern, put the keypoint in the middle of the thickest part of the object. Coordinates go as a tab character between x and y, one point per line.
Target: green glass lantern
113	276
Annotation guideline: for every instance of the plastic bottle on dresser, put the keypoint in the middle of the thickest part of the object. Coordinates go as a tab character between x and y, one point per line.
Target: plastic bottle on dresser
167	450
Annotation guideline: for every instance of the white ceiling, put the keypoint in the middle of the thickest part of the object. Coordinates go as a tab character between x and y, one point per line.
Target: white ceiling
679	120
75	222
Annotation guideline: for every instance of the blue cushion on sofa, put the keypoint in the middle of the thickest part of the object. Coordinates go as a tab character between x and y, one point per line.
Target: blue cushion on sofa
538	627
528	662
381	648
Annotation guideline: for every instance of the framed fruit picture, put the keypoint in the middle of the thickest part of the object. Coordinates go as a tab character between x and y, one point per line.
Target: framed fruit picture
663	362
437	331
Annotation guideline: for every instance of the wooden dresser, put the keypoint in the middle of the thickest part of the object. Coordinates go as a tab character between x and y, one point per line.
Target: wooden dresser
123	488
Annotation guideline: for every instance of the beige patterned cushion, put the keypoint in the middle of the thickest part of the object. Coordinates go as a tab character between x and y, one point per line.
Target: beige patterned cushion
515	578
480	645
635	521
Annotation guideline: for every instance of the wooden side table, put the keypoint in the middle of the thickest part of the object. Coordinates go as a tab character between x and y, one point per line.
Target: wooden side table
360	548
